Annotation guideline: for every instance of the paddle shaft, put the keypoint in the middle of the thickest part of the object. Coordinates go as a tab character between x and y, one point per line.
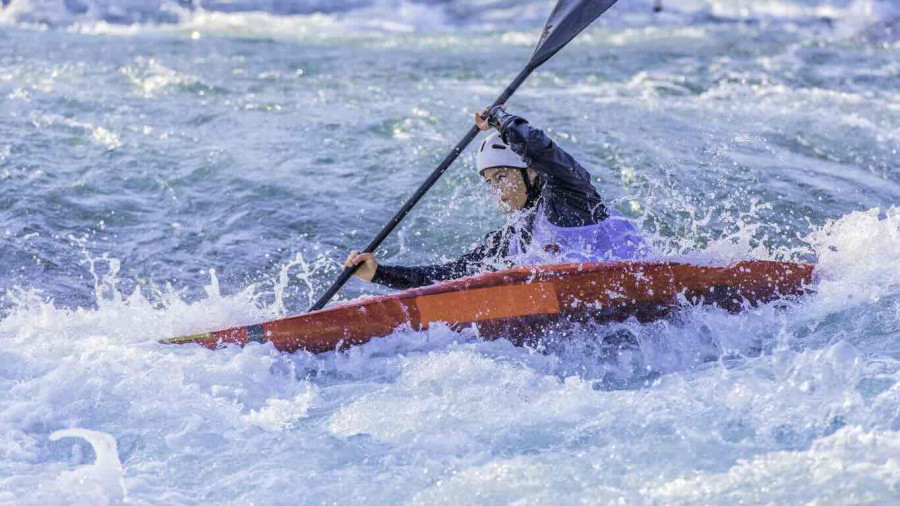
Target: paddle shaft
407	207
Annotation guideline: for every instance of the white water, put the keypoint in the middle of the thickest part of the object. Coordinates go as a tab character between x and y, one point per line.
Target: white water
439	417
167	169
293	17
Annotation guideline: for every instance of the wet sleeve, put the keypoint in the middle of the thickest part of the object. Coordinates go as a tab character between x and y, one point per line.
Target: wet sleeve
557	166
473	262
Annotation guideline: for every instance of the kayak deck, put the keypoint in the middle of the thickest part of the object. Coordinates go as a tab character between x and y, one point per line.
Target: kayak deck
526	299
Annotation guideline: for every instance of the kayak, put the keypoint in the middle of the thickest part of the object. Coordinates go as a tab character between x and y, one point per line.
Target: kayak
522	301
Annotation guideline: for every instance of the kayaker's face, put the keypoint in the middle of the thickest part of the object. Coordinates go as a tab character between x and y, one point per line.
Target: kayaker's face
508	186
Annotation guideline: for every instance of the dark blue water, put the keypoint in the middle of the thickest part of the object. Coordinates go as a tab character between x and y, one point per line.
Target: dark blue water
212	170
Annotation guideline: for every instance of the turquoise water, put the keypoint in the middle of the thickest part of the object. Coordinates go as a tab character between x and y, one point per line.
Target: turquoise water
168	170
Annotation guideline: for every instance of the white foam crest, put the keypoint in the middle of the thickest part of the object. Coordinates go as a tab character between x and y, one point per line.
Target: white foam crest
858	257
250	24
152	78
121	320
852	464
104	368
391	16
386	16
477	402
491	383
65	13
282	414
100	483
422	400
397	16
51	12
99	135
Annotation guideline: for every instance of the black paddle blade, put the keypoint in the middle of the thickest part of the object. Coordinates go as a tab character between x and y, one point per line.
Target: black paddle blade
567	20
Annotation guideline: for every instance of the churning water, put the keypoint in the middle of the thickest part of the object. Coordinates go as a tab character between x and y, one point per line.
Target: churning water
174	166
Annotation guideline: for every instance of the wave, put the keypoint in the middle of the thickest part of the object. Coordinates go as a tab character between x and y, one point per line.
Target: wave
429	15
856	257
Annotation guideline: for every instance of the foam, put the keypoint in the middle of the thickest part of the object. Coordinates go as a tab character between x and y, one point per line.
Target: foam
853	16
752	392
102	482
852	465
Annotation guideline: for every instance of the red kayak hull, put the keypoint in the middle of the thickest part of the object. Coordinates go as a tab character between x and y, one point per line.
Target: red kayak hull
521	301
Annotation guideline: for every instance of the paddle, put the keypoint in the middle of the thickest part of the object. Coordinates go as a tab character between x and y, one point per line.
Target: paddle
567	20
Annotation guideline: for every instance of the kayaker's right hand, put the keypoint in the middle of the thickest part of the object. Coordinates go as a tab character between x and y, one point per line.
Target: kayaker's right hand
369	265
482	117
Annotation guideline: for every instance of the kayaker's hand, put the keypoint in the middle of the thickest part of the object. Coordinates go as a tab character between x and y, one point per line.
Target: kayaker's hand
369	265
481	117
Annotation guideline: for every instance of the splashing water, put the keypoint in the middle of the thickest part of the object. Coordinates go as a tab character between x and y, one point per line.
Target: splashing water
214	169
103	480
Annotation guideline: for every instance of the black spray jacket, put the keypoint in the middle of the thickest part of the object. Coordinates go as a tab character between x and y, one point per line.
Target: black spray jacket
566	197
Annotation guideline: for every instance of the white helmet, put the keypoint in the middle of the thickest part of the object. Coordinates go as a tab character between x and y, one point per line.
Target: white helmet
495	153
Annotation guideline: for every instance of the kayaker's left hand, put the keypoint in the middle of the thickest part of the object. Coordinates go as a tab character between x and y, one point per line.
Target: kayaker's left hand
367	265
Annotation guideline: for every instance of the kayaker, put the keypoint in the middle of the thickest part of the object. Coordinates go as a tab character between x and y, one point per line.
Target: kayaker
555	214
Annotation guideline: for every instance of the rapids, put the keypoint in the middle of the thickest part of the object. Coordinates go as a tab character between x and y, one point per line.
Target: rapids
170	166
